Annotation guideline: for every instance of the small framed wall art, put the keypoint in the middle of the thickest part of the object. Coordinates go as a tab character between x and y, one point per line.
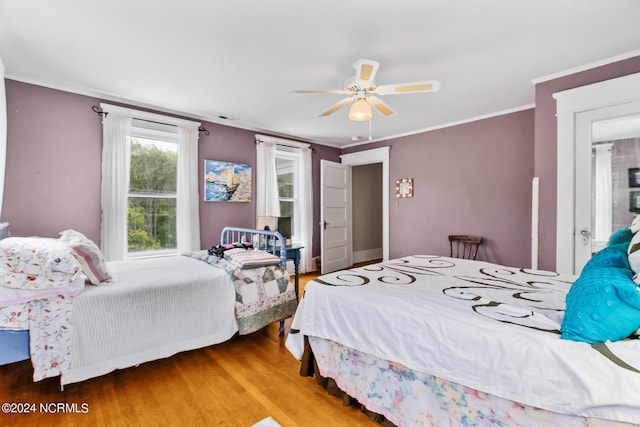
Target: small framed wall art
634	177
634	201
404	187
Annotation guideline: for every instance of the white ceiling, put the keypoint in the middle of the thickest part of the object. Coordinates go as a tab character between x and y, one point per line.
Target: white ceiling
243	58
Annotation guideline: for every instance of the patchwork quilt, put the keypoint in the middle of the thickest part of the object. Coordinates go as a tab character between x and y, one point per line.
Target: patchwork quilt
263	294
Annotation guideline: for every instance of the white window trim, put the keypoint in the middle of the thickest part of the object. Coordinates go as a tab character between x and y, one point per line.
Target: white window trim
284	153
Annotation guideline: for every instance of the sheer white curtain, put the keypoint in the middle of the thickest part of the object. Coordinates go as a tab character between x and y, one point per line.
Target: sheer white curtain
267	203
603	193
118	126
188	206
306	211
3	133
116	159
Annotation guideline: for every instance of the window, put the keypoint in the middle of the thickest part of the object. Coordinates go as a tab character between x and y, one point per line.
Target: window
151	212
287	174
150	202
283	176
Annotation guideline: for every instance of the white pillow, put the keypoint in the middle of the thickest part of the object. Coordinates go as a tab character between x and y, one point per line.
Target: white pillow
633	253
635	224
89	255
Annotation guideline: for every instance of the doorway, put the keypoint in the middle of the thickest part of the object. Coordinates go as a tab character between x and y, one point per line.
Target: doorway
579	112
330	245
376	156
615	176
366	204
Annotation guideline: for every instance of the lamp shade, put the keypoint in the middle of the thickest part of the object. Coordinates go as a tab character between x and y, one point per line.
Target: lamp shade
360	110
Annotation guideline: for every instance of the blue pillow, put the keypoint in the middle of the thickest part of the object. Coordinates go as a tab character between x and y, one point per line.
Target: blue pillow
611	256
603	304
623	235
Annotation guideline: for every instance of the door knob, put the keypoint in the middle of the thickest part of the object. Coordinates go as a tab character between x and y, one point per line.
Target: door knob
584	234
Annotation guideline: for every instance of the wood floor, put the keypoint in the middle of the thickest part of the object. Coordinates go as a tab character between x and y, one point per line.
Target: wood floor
236	383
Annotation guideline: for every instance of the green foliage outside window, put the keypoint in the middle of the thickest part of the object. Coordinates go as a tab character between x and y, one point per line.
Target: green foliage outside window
152	197
285	170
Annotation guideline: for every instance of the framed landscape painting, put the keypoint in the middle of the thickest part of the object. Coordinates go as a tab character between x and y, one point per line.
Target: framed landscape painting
226	181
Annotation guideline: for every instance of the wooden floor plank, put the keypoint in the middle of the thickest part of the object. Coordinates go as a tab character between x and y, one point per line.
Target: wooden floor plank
235	384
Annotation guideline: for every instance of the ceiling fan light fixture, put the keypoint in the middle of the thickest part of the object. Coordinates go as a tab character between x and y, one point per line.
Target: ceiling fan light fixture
360	111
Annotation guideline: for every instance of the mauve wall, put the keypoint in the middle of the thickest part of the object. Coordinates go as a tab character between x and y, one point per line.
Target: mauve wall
474	178
53	162
54	166
471	178
545	164
229	145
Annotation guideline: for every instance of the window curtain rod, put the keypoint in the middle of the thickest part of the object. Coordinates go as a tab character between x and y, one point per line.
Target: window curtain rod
150	117
281	141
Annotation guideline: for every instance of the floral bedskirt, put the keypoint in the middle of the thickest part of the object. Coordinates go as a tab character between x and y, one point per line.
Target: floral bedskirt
410	398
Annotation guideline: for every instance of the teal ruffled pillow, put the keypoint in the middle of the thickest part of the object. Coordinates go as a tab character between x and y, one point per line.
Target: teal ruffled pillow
603	304
611	256
623	235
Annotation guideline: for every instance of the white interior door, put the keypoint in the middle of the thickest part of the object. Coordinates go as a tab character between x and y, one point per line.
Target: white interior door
335	216
592	206
569	104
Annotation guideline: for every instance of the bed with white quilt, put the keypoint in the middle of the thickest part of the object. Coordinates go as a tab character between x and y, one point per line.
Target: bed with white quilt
433	341
131	312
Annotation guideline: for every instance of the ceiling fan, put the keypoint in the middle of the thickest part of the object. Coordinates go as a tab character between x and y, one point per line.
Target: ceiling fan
363	90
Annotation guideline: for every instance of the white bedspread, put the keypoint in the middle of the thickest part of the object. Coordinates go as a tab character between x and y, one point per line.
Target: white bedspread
488	327
122	324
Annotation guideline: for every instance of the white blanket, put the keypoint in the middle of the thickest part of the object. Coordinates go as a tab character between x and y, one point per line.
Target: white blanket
488	327
153	309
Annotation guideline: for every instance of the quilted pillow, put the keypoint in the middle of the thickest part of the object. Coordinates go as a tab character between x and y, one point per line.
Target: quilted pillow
89	255
603	304
36	263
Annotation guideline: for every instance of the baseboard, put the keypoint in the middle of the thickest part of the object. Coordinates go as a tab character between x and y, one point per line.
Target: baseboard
367	255
291	268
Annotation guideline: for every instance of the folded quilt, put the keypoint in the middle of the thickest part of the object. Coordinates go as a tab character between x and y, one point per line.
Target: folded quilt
251	258
263	294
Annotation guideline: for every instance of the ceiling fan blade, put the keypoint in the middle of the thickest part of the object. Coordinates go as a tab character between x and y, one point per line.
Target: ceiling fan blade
414	87
380	106
336	91
338	105
366	70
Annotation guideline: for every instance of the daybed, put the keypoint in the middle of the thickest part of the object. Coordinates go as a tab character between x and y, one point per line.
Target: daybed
432	340
149	308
